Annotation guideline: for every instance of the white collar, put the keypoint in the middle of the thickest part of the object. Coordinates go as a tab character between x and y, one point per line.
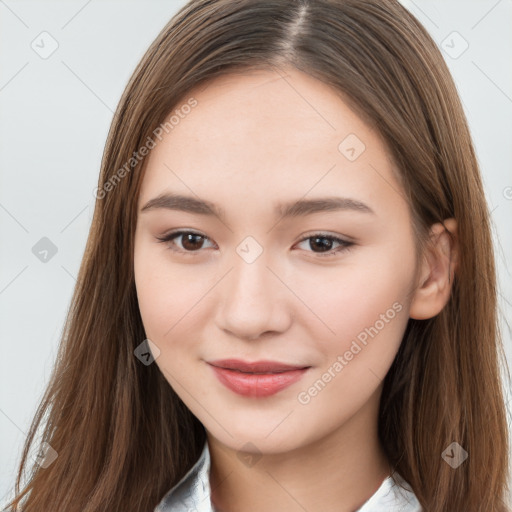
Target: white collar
192	493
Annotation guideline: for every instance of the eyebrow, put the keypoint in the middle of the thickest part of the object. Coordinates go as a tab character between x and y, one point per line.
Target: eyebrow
299	208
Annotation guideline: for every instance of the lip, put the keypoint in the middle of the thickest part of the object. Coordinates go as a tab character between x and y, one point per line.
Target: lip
256	366
256	379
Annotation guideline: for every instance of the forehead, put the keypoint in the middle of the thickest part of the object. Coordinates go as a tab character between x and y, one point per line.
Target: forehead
265	137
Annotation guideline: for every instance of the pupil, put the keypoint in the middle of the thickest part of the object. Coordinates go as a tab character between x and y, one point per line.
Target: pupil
190	238
322	246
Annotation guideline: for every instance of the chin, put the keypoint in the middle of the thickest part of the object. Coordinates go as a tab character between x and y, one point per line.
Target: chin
264	438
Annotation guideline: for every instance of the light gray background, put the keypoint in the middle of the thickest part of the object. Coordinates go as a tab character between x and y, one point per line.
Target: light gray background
55	115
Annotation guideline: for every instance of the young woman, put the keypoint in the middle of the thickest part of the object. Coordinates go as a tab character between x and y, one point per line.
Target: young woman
288	296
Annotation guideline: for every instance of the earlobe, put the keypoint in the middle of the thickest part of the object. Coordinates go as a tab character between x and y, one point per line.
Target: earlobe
440	261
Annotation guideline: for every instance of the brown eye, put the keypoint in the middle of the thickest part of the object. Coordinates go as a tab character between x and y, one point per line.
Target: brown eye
324	244
190	241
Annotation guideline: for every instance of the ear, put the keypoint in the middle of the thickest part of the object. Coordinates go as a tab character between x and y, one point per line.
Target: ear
440	262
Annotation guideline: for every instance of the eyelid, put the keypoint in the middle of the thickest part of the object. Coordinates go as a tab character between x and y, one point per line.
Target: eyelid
169	237
345	245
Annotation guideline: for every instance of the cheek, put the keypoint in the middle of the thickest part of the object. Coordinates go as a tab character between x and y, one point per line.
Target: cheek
169	296
151	285
364	318
365	303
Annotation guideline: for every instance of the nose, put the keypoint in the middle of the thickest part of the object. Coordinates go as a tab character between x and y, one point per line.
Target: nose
254	301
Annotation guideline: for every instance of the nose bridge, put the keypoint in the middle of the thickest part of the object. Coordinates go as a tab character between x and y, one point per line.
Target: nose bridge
253	300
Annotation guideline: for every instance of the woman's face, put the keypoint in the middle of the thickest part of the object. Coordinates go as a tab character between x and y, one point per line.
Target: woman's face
327	286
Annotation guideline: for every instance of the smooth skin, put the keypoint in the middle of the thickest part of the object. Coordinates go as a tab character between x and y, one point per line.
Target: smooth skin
254	140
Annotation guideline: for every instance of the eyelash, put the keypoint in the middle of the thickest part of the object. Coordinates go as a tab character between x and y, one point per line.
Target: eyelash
345	245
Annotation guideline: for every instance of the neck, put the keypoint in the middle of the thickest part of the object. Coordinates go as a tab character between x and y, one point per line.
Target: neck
338	472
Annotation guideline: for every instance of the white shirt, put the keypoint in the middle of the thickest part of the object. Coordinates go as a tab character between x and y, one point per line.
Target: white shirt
192	493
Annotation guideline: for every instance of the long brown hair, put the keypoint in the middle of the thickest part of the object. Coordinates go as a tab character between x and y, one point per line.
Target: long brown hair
122	435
